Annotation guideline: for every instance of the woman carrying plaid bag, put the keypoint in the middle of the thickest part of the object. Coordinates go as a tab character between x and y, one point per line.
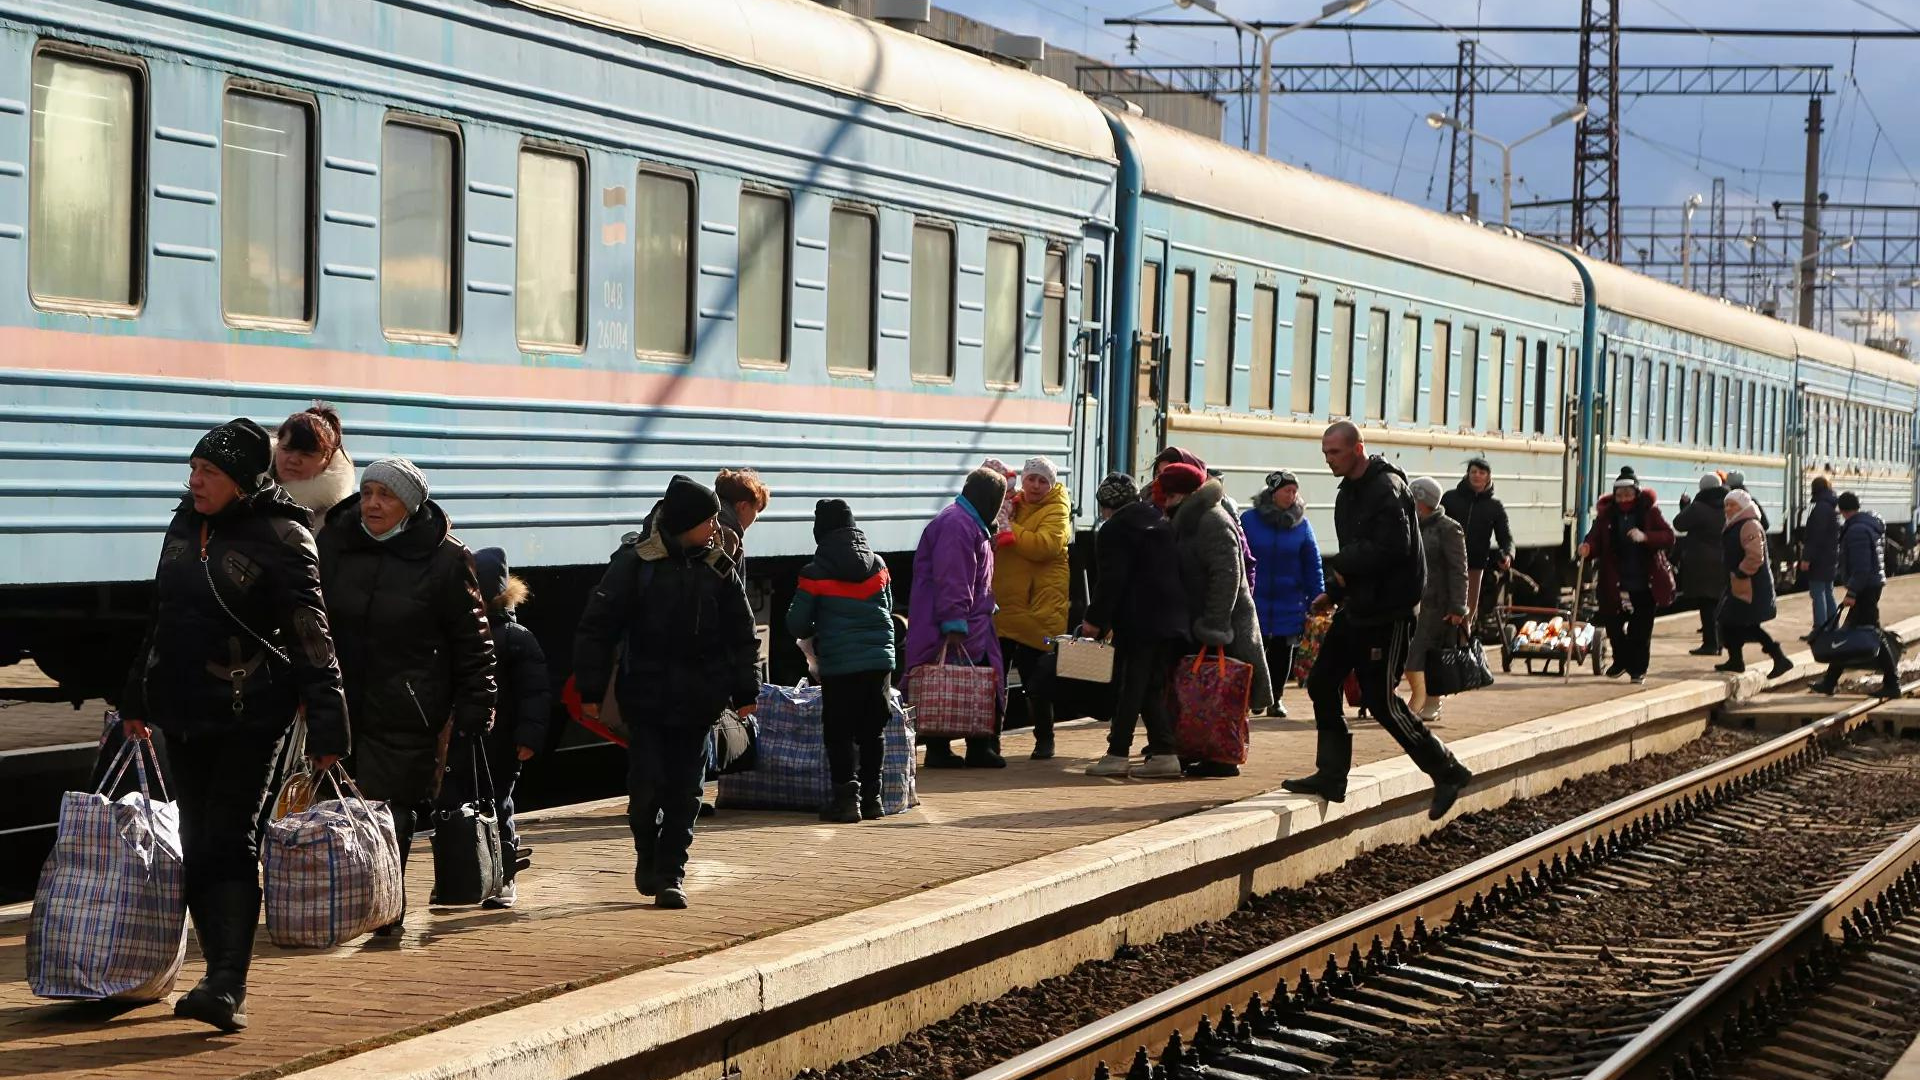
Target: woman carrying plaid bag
237	644
950	610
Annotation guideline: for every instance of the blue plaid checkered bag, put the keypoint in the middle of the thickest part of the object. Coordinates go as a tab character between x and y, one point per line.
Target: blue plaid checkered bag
110	913
899	785
332	870
791	770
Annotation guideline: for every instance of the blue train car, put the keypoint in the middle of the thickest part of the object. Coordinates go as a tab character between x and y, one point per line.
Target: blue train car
553	253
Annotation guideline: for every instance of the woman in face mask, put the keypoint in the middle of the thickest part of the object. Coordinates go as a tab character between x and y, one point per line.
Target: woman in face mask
411	630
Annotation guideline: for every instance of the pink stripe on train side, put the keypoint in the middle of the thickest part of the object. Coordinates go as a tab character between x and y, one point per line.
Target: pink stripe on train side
28	348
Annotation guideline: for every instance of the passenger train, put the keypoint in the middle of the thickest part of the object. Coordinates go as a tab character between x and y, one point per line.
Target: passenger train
555	251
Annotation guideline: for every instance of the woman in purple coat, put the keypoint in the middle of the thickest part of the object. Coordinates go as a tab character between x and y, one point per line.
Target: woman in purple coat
951	605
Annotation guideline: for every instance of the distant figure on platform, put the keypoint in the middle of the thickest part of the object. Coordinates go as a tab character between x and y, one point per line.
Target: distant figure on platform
416	652
743	498
1737	481
1290	577
1820	551
1376	579
310	460
670	600
844	602
1703	573
1628	541
1032	586
524	710
1138	600
1748	604
951	605
1483	516
1863	570
1443	599
238	643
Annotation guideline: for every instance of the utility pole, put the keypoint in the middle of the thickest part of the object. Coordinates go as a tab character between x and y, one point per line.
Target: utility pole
1810	217
1596	143
1717	268
1460	194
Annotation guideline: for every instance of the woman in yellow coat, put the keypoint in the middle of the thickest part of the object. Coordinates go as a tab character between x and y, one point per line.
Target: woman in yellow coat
1031	585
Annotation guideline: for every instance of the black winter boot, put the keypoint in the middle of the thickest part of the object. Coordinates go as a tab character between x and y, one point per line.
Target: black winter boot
1333	756
1781	665
1041	713
984	754
1736	661
843	806
224	920
940	755
1447	787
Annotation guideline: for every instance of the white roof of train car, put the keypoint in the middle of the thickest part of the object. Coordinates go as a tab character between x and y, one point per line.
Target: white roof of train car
1202	172
814	44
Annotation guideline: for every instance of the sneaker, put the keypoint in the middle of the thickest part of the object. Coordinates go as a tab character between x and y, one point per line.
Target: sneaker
984	758
500	901
1157	767
673	897
1639	680
1430	712
1319	785
1447	788
1278	711
1616	669
1111	765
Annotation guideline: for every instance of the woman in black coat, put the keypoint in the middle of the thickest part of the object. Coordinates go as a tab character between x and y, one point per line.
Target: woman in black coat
416	653
1137	597
1703	570
1483	517
237	591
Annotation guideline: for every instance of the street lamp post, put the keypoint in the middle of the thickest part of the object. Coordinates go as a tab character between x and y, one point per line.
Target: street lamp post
1440	120
1335	7
1686	240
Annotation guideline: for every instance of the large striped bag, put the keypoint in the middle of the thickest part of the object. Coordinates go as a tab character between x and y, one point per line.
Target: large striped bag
110	914
333	869
790	768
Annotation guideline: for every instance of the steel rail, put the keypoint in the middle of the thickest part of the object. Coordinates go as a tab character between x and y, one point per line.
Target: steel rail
1257	985
1747	996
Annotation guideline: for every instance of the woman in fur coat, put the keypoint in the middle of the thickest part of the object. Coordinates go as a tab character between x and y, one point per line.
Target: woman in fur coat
310	461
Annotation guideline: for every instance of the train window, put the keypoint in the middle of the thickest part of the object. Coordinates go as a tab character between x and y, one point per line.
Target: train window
1266	311
1006	272
1727	404
552	198
266	185
1662	404
1495	410
1053	321
1221	316
1623	396
1557	407
1542	378
1469	392
1180	338
1150	324
1341	374
1693	407
1409	368
1748	421
851	254
930	318
1441	375
1376	374
419	238
1306	350
1522	381
663	265
86	189
765	244
1090	292
1648	396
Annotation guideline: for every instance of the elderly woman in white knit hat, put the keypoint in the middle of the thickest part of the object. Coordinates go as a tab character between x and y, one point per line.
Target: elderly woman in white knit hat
1031	585
411	631
1443	600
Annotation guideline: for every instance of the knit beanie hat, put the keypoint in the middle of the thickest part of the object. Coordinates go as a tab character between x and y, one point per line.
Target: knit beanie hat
1425	490
1477	461
1709	481
1116	491
1737	503
401	477
985	490
688	502
490	565
1736	479
240	448
1626	479
1180	478
1280	478
830	515
998	466
1041	466
1849	502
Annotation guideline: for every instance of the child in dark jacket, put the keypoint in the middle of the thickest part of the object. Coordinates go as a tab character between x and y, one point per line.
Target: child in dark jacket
845	604
523	712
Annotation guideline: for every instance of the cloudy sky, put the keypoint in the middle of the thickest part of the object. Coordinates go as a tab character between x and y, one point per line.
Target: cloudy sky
1673	146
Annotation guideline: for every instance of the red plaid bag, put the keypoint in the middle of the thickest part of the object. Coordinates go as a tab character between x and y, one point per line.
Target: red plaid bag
1213	698
954	701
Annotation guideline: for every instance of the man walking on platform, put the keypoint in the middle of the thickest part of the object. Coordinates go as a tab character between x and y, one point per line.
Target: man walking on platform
1862	567
1375	579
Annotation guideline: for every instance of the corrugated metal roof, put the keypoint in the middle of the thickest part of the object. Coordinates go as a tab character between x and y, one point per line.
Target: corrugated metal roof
1205	173
808	42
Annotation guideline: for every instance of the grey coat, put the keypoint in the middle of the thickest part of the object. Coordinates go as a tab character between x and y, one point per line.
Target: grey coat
1445	591
1213	572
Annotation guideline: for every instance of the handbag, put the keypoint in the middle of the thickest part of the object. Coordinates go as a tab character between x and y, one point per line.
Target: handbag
1213	699
467	863
1458	668
1085	659
735	744
1848	646
955	701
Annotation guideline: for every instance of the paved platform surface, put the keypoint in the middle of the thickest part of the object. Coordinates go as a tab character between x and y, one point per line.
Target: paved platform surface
28	726
579	921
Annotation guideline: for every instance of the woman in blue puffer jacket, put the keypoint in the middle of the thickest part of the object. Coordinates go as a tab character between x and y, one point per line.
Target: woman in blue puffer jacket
1290	577
845	604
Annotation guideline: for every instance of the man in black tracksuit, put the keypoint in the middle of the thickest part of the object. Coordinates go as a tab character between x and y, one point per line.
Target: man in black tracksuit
1376	579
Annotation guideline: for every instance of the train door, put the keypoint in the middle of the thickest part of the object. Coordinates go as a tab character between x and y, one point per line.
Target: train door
1567	357
1089	356
1150	358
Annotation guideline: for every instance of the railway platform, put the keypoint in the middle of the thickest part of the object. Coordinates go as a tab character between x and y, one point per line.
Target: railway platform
808	943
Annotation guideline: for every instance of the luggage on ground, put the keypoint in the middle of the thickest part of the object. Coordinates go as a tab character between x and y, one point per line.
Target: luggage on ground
1213	695
790	768
468	865
332	870
955	701
110	913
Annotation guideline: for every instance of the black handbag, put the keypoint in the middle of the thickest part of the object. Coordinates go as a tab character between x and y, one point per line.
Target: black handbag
1458	668
1848	646
467	863
735	745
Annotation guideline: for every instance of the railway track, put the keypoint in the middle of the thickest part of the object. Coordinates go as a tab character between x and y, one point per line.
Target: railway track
1558	955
